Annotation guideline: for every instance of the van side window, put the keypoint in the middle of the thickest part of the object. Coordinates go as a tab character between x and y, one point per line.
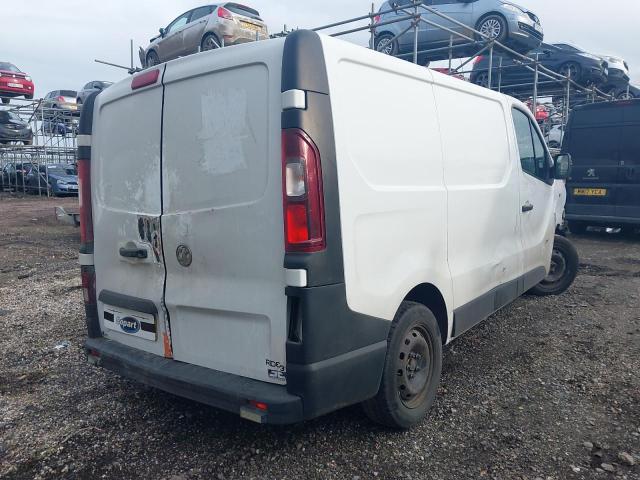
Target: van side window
533	156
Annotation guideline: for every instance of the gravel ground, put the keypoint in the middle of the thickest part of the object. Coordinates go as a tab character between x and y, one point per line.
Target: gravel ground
545	389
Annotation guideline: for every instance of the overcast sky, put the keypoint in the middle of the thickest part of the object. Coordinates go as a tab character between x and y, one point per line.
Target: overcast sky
57	41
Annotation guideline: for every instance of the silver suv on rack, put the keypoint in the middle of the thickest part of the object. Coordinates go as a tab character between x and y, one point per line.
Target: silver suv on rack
506	22
205	28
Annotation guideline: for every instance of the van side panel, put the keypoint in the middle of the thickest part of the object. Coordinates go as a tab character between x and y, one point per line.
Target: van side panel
125	182
390	173
222	192
482	178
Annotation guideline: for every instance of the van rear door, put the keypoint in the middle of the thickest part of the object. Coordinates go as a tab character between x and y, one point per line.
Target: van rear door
593	141
222	224
125	172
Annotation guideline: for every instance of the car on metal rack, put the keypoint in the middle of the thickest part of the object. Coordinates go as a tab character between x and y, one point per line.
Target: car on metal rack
59	179
628	92
14	174
506	22
89	88
59	104
618	76
584	68
14	129
14	83
205	28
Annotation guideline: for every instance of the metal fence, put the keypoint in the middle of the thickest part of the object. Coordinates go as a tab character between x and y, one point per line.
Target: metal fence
25	162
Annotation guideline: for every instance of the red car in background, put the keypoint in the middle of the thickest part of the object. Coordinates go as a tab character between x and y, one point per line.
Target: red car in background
541	113
14	83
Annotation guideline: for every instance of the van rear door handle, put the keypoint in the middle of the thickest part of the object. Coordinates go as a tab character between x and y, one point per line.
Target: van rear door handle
527	207
133	253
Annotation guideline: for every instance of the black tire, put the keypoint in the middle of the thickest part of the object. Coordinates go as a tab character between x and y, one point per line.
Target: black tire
482	79
577	228
386	44
29	97
28	142
210	42
6	100
564	269
574	68
412	369
152	59
495	26
625	96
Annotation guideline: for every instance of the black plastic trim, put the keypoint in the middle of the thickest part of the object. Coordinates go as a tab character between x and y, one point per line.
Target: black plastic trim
478	310
125	301
218	389
303	63
603	219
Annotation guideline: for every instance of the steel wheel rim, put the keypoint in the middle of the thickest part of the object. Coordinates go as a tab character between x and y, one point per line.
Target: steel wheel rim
491	28
413	367
385	46
210	44
558	267
625	96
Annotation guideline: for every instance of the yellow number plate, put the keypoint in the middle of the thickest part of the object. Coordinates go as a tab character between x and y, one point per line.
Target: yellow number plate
590	192
251	26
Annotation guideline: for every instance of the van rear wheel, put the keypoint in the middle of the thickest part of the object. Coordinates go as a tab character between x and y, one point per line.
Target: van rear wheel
412	369
563	271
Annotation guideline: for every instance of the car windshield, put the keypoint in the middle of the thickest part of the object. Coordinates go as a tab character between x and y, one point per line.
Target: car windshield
68	93
58	170
9	67
568	48
9	116
242	10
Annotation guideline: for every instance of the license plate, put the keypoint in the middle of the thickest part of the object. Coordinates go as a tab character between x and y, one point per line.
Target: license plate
537	27
134	324
590	192
73	187
251	26
15	85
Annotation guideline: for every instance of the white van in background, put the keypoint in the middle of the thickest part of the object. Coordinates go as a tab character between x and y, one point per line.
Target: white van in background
284	228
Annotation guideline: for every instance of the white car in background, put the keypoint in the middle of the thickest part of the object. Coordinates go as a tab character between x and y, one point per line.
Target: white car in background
554	137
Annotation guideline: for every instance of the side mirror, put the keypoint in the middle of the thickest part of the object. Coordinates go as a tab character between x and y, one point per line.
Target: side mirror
162	31
562	168
98	87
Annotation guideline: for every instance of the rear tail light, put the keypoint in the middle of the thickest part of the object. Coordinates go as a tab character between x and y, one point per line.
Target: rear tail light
303	199
259	405
224	13
145	79
84	197
61	99
376	19
88	277
478	59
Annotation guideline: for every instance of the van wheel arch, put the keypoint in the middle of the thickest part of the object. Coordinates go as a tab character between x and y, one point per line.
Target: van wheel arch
429	296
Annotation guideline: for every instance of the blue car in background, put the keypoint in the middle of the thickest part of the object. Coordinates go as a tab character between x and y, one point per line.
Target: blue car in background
59	179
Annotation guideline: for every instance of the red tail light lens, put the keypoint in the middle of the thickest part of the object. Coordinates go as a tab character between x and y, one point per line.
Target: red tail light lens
224	13
376	19
61	99
84	197
478	59
145	79
303	198
88	278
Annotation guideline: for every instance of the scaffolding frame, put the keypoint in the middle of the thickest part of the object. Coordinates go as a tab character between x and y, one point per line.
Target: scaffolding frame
479	43
24	165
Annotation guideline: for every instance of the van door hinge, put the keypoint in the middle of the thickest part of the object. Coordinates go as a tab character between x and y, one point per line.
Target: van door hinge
294	99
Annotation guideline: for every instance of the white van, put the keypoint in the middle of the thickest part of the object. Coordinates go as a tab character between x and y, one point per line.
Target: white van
284	228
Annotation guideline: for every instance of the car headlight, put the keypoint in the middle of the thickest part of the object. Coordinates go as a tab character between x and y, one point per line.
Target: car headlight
28	79
61	182
513	8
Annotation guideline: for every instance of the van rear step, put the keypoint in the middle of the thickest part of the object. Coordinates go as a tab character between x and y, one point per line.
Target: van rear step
251	399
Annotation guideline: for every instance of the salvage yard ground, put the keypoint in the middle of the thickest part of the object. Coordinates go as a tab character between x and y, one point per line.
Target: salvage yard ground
547	388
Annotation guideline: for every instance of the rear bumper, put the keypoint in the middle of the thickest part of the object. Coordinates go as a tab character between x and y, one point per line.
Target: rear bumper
222	390
604	220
